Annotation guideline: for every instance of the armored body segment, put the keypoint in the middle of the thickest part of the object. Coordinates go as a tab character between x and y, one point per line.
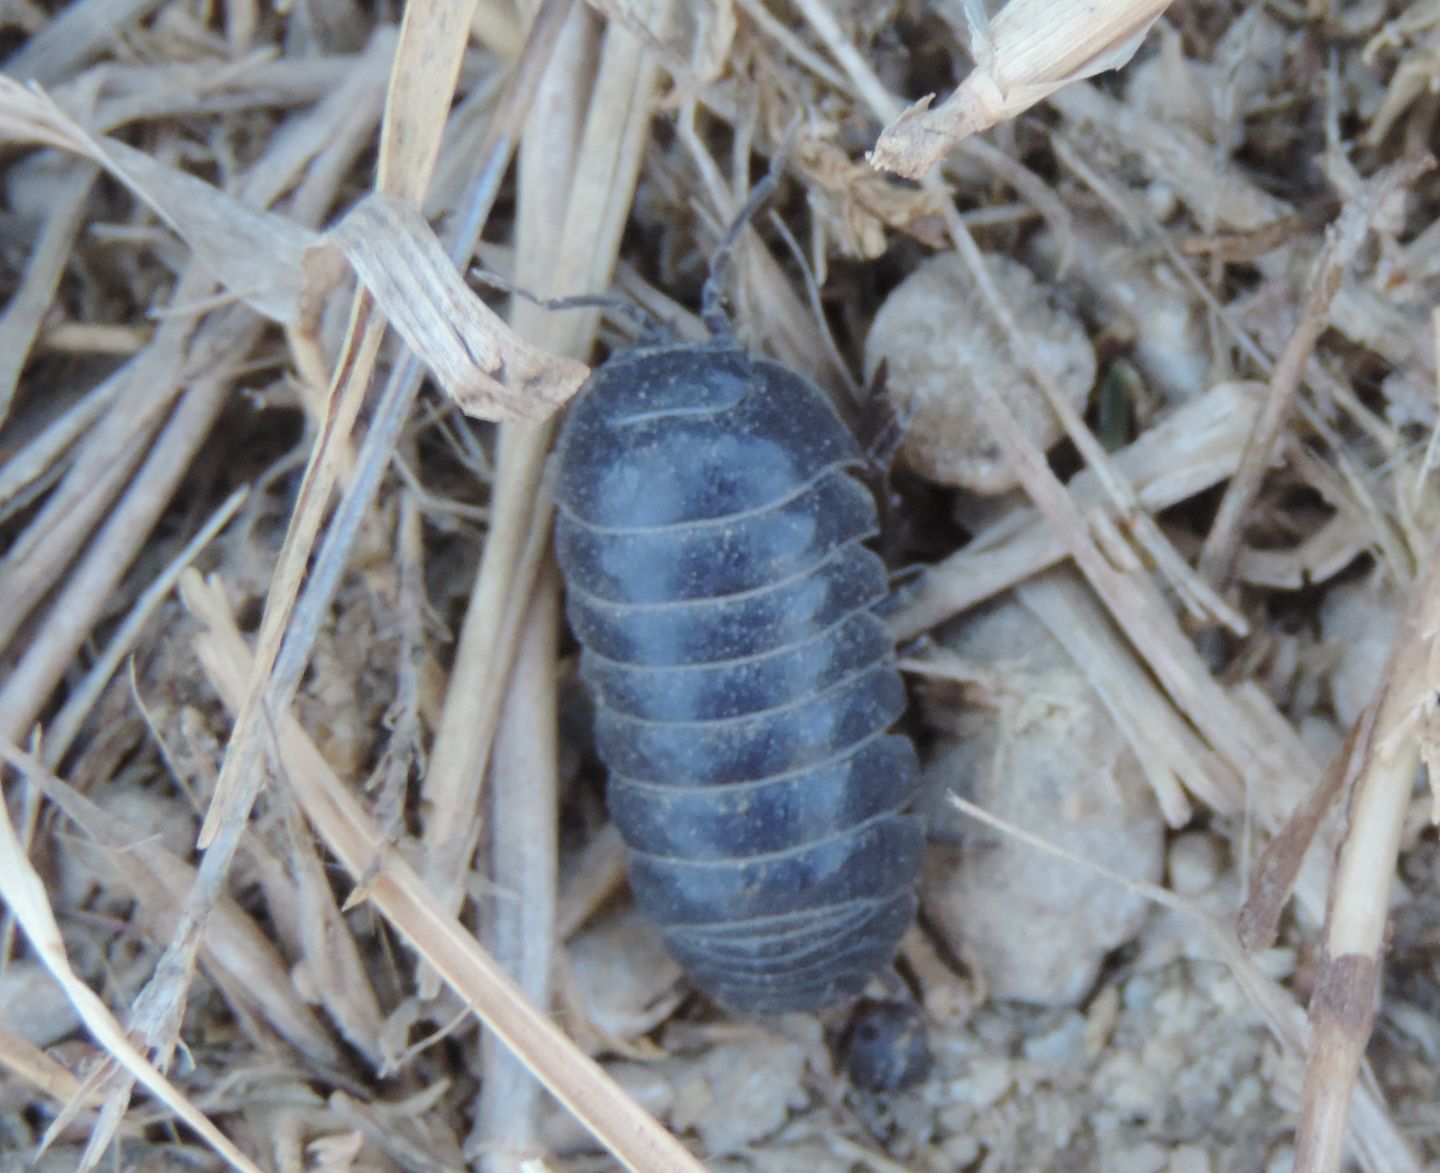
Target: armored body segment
731	627
733	688
723	556
661	436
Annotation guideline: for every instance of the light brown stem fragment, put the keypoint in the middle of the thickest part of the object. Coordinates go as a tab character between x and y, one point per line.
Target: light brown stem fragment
1182	455
1342	1011
1383	762
1273	877
1027	52
1342	242
524	867
398	894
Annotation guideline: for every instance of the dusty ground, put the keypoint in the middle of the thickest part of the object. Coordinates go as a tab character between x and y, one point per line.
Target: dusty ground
1214	273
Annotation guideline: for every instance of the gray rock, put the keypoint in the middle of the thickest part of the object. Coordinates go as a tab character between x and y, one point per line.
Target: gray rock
1045	757
1359	620
937	339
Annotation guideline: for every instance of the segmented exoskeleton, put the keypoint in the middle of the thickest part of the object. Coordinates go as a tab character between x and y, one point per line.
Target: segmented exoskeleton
710	531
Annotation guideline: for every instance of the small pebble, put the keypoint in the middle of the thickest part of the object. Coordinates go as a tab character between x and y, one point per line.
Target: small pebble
740	1093
1049	760
1188	1158
937	338
1061	1046
33	1006
1359	621
1142	1158
1193	863
986	1083
626	980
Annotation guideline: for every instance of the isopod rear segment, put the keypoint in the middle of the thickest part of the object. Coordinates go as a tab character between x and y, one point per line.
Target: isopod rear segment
711	535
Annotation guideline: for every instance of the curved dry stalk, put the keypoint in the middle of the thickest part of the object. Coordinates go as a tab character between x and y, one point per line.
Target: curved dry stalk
593	213
524	866
1030	49
1343	242
424	74
24	893
1391	737
410	906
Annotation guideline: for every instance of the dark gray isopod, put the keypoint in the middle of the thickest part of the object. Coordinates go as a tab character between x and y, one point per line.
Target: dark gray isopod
710	533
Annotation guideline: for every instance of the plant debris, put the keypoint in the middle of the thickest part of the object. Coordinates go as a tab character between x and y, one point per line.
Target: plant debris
305	861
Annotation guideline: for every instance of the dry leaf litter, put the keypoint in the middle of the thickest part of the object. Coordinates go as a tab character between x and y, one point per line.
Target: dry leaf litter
280	648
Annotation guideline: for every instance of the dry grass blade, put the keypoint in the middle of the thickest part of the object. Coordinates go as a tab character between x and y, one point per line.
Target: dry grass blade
262	258
48	1076
1183	455
403	898
158	1011
81	31
1218	192
1274	875
1341	246
1380	771
403	385
1173	758
409	145
24	474
484	366
1199	598
1024	54
283	270
1130	597
26	311
24	893
235	948
332	972
212	219
63	730
596	140
524	858
603	166
77	605
103	461
1135	524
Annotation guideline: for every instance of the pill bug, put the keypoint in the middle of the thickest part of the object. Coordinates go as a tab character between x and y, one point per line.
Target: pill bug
710	531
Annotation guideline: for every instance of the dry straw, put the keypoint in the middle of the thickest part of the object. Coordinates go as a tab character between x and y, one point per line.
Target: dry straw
566	102
1030	49
285	272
